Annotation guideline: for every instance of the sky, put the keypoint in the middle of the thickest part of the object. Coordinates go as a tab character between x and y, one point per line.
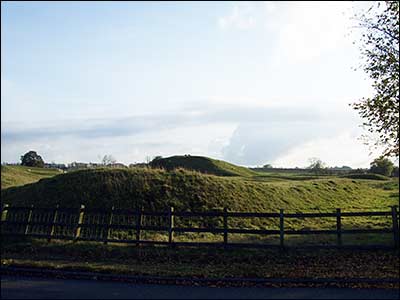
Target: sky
247	82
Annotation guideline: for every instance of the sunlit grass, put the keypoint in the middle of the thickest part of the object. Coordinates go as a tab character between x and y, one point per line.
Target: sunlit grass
20	175
157	189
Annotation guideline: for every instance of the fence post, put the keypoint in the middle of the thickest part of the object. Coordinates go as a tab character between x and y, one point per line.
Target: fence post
138	224
225	227
339	226
29	220
395	227
170	224
4	212
80	222
281	229
53	226
108	230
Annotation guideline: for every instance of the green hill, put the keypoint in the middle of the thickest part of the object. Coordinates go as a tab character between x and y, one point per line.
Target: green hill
202	164
156	189
20	175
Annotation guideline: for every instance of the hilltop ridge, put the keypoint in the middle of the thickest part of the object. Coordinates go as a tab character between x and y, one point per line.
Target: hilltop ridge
202	164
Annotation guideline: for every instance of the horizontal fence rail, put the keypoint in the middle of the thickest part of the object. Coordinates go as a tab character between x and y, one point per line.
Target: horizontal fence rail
129	225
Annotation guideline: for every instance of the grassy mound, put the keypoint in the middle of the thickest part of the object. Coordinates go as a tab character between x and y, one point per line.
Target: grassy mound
20	175
202	164
156	189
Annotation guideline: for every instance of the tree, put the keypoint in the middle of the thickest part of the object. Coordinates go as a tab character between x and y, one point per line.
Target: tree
267	166
380	51
395	172
32	159
382	166
148	159
316	165
108	160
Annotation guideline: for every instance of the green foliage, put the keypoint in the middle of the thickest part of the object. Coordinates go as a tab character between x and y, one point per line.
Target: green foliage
32	159
382	166
395	172
317	166
380	49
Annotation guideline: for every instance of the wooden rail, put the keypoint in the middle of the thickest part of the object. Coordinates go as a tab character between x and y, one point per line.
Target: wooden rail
83	223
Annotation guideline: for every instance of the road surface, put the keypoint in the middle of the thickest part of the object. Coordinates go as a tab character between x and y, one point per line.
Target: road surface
16	287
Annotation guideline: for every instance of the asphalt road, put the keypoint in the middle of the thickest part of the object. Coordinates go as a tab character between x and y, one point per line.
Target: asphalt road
13	287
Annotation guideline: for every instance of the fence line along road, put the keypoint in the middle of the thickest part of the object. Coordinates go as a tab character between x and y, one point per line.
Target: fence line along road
128	226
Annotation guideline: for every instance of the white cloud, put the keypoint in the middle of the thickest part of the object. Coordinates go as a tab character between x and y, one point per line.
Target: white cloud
126	149
243	134
343	149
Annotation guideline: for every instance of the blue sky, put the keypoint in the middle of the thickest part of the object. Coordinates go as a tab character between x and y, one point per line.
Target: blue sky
247	82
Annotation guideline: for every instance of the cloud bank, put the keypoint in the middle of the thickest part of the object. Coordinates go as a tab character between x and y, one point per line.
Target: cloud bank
247	135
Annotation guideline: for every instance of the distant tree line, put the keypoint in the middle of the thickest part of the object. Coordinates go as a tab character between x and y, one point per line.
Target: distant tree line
381	165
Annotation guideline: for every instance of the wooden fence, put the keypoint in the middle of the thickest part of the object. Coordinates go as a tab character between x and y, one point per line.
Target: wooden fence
127	226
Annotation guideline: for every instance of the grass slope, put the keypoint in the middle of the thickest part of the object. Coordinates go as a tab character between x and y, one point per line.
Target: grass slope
156	189
20	175
202	164
367	176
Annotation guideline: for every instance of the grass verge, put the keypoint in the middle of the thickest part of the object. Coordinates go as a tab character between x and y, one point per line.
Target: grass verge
201	262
